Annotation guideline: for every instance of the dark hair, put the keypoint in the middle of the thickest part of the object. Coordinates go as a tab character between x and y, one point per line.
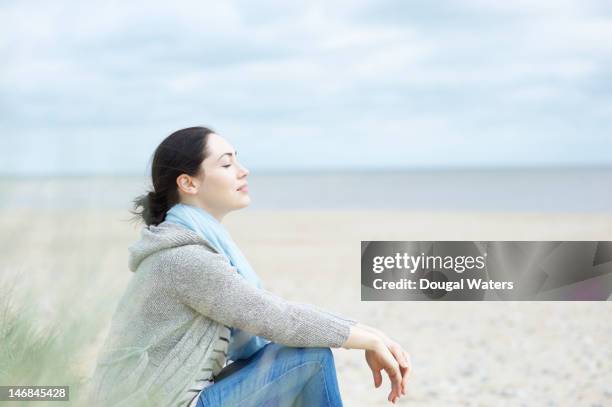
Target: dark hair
182	152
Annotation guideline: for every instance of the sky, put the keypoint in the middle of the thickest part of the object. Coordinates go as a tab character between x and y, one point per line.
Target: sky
94	87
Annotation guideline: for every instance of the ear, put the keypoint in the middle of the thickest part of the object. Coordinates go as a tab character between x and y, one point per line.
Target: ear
187	184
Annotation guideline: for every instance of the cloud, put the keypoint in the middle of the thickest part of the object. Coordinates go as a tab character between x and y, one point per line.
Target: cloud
442	81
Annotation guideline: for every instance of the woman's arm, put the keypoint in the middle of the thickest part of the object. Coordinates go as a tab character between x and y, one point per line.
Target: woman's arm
375	331
361	338
207	283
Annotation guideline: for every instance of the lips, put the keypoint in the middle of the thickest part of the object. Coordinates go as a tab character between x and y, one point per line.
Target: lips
244	187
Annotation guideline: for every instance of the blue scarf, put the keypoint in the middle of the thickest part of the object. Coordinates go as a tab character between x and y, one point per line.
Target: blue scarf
242	344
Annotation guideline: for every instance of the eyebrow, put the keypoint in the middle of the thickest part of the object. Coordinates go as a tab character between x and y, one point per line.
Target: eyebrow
230	154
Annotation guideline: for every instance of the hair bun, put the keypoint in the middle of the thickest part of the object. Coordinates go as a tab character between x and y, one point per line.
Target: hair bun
154	206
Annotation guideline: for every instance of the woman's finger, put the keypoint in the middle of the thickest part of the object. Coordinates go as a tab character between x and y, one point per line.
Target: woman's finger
395	377
377	378
407	371
397	353
404	380
393	391
405	359
401	357
408	362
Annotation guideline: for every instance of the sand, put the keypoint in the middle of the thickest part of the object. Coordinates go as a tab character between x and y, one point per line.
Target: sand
472	353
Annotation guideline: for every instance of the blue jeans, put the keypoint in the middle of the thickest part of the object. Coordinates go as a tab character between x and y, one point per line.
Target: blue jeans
277	376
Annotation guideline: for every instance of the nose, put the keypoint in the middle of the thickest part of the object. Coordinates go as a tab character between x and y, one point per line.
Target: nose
244	170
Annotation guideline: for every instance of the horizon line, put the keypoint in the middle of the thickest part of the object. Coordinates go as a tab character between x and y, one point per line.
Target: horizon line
335	170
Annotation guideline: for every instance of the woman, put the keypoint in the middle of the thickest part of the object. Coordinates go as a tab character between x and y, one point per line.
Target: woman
194	304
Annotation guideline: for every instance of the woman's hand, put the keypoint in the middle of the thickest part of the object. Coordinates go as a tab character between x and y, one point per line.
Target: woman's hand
401	356
381	353
379	358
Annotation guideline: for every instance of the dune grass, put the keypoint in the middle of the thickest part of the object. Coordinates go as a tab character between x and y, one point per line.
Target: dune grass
38	352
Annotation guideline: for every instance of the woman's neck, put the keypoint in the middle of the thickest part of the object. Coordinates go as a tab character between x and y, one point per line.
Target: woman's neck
216	214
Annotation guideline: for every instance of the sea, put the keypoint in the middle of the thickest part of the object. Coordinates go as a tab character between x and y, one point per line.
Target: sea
483	190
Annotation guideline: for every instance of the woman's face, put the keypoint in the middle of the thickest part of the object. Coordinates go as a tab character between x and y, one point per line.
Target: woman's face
221	185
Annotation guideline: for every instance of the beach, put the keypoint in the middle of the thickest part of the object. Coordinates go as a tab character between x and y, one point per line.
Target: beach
463	353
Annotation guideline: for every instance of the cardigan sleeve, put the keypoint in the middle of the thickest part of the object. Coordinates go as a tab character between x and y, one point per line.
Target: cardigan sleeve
209	284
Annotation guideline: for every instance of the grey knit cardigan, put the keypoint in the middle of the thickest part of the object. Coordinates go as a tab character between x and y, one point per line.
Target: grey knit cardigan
182	293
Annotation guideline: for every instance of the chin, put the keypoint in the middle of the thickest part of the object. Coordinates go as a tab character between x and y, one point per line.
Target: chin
246	202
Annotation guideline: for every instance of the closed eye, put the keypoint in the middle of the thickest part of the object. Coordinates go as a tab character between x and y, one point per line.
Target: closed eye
225	166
